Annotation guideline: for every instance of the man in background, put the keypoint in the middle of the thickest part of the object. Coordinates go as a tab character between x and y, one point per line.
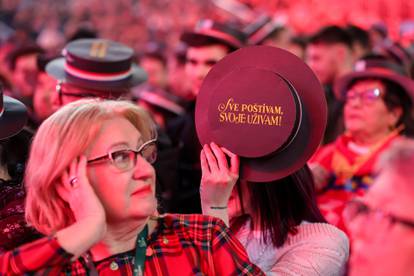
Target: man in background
208	43
329	54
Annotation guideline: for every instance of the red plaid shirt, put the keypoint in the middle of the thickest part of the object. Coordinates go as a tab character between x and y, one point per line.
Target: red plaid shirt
180	245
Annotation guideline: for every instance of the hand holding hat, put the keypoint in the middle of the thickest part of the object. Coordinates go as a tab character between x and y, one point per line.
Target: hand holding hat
265	105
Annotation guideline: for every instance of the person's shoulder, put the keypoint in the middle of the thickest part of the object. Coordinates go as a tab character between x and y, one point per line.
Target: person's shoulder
323	234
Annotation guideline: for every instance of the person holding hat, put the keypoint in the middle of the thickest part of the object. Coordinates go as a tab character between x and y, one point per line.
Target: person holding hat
93	68
14	141
208	43
265	138
378	110
91	190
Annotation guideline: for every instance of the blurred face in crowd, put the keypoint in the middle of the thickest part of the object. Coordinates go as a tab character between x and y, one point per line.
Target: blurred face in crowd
381	228
156	70
42	98
178	82
199	62
125	185
25	75
365	112
324	60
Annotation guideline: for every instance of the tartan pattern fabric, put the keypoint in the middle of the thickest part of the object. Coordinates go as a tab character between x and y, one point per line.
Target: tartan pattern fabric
180	245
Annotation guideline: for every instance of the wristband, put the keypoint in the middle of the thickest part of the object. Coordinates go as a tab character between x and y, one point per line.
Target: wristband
218	207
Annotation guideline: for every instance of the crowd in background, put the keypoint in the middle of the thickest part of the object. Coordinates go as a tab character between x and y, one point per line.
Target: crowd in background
362	52
135	22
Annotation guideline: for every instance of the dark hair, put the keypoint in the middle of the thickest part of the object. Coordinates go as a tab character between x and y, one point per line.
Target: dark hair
14	152
331	35
210	41
83	32
155	50
158	56
23	51
301	41
380	28
283	204
360	36
274	34
42	60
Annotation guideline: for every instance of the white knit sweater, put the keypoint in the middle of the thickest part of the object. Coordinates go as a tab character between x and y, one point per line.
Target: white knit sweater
317	249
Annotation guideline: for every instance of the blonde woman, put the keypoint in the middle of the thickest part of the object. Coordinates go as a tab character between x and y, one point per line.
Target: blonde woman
91	190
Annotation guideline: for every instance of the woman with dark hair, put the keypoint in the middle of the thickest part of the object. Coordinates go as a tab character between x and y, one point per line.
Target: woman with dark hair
278	221
377	111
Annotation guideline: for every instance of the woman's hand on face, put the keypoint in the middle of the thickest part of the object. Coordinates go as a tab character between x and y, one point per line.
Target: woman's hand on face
79	194
218	177
90	225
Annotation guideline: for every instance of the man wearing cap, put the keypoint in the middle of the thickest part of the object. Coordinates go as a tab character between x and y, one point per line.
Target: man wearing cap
209	42
94	68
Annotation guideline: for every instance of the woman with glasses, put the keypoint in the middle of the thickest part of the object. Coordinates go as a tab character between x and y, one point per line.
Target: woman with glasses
91	191
377	111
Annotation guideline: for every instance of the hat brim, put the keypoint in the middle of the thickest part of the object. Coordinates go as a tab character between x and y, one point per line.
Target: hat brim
343	83
194	39
56	69
314	110
160	101
13	118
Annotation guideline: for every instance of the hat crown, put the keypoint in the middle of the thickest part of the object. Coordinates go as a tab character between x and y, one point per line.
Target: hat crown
379	64
98	56
267	116
98	50
98	64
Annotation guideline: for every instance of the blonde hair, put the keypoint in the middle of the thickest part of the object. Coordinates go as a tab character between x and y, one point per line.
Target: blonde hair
60	139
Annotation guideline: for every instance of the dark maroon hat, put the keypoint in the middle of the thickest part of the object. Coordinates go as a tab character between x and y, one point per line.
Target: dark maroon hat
13	116
376	68
267	106
97	64
208	30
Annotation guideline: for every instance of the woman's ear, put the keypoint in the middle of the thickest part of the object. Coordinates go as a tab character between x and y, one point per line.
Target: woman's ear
63	187
396	114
